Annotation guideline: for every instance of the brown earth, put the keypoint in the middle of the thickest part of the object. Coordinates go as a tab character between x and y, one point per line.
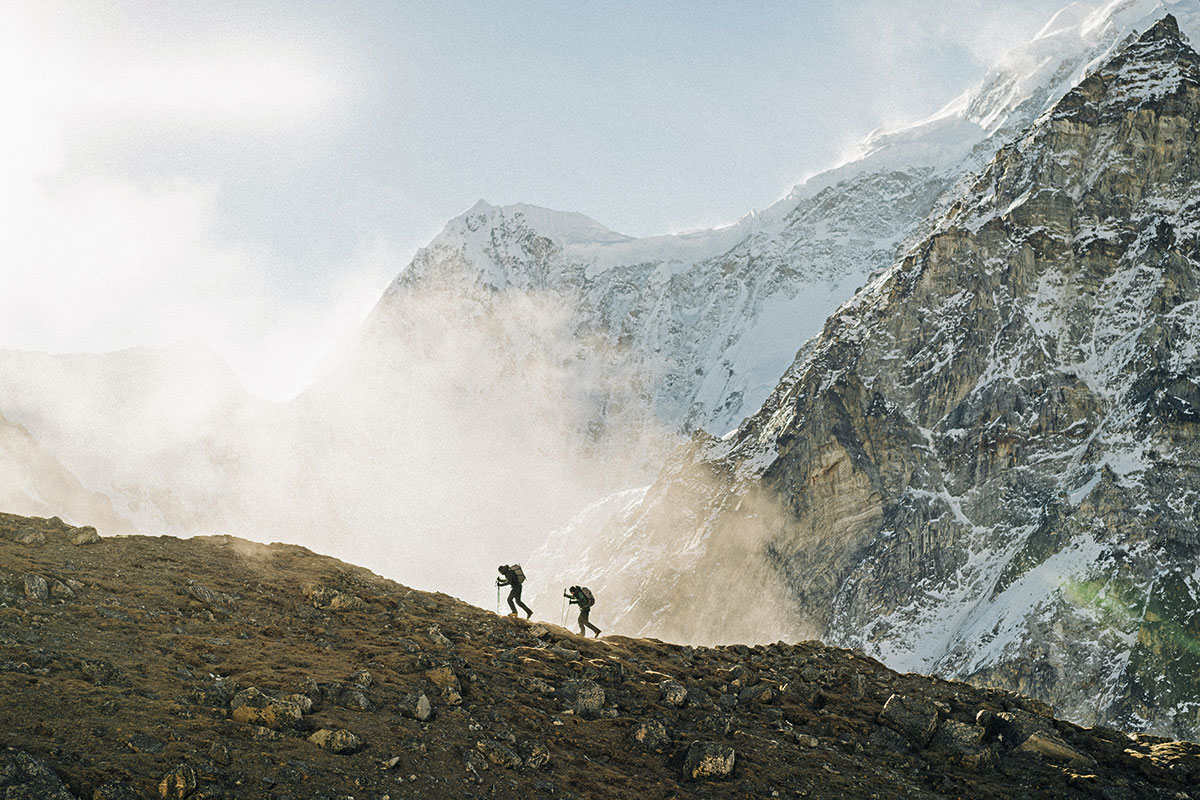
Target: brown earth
123	665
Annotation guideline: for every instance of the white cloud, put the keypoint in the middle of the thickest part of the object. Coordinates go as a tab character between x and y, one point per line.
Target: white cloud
97	261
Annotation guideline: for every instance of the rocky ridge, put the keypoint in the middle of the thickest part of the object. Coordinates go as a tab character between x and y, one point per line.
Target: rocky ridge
140	667
985	466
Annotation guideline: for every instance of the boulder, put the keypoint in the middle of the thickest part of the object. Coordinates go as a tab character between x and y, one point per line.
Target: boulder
759	693
304	701
584	697
499	754
444	678
178	783
957	737
115	790
85	535
708	761
672	693
913	719
24	777
339	741
535	755
36	588
253	707
650	734
415	706
1014	727
1052	747
61	591
29	535
341	601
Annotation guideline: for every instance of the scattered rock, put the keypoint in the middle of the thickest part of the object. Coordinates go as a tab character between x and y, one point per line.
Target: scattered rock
29	536
539	631
141	743
444	678
252	706
534	685
216	693
85	535
708	761
958	737
339	741
913	719
342	601
759	693
310	689
1054	748
102	673
439	638
304	701
115	790
1014	727
535	755
354	700
36	588
24	777
360	678
584	697
416	706
650	734
178	783
808	740
672	693
219	753
499	754
208	597
61	591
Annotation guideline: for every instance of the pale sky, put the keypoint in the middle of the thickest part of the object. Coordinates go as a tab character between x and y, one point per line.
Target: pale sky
254	174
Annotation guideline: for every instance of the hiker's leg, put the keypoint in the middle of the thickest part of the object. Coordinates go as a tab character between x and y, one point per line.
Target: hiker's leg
513	594
516	593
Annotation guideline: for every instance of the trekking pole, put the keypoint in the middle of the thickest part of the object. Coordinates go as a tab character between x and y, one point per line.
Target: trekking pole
497	598
564	612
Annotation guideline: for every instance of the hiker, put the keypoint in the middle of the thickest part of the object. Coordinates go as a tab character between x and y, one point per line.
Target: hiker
582	597
514	577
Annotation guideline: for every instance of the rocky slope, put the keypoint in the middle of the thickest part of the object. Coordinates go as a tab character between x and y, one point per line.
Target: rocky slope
985	467
141	667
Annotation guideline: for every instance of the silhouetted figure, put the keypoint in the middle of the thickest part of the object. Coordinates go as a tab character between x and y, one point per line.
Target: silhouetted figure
514	577
582	597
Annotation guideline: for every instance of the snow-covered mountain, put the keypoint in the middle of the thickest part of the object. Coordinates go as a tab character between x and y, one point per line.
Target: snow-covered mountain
985	466
704	324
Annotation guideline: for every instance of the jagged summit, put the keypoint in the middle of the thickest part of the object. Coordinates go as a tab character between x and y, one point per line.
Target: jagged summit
984	466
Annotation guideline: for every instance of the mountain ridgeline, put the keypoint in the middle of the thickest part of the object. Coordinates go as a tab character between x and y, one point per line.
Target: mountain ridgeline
215	668
986	465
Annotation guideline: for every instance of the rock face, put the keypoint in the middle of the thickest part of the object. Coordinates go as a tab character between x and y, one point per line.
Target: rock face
985	465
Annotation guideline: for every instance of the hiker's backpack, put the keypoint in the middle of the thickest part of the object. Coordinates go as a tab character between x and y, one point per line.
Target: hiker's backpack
517	574
585	595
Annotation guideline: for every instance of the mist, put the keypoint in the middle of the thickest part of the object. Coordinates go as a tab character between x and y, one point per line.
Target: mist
458	430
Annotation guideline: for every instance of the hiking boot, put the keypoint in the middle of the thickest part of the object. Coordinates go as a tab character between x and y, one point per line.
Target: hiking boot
511	614
528	615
